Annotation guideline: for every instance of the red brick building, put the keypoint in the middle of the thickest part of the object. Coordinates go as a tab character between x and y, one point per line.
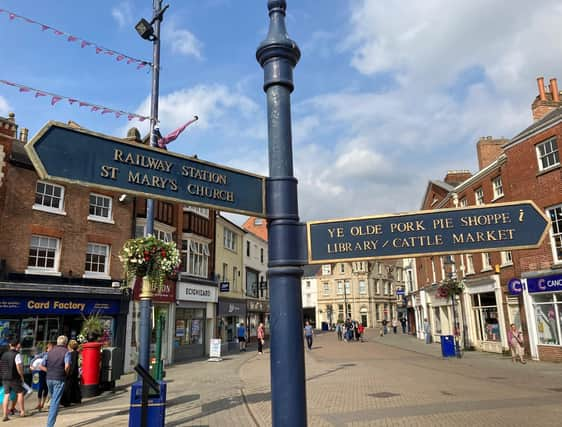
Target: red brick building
526	167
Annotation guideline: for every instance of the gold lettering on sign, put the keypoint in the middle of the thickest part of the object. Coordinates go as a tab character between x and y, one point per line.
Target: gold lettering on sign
152	181
109	172
483	236
210	193
403	227
334	248
142	160
203	175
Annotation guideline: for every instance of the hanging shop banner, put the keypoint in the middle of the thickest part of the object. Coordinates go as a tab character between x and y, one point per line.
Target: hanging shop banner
67	154
496	227
16	305
545	284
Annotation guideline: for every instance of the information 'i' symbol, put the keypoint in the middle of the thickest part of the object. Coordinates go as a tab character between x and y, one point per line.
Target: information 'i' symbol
521	215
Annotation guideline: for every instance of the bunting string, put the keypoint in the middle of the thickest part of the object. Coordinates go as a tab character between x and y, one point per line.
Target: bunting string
119	57
93	107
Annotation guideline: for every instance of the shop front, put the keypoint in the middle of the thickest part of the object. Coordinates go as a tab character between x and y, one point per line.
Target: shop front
543	309
163	305
194	321
485	314
37	318
231	311
257	312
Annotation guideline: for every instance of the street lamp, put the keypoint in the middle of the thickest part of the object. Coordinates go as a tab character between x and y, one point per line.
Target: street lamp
453	289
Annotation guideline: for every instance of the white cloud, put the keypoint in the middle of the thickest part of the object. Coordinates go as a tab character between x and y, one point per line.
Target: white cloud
183	41
4	107
122	13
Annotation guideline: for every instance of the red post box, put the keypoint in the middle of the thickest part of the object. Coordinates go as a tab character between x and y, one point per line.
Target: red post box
91	362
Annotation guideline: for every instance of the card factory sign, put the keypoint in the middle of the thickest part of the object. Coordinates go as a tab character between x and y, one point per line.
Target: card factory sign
63	153
492	227
194	292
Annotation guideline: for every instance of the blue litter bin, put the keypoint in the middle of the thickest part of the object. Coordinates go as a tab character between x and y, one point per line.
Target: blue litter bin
447	346
325	326
156	406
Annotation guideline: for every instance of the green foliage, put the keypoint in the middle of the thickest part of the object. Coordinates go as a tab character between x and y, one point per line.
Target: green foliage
92	325
151	257
449	288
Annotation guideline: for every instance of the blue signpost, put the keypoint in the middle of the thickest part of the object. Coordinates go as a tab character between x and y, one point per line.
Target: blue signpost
63	153
502	226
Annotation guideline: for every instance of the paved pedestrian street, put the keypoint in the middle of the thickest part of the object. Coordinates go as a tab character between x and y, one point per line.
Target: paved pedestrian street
393	380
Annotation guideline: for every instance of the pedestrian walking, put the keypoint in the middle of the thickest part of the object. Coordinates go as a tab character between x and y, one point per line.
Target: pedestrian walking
308	333
427	331
384	326
515	338
72	393
403	323
356	330
394	325
11	368
57	365
40	377
361	331
261	338
241	333
339	331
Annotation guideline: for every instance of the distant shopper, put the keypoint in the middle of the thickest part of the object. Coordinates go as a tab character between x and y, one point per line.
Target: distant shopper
11	369
384	326
261	338
57	365
339	331
427	331
72	393
394	325
403	323
241	333
361	331
308	333
515	338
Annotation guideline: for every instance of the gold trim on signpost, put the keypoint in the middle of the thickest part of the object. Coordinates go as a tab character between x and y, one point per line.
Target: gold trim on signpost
146	290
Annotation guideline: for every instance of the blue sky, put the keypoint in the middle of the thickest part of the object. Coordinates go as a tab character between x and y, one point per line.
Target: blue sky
388	94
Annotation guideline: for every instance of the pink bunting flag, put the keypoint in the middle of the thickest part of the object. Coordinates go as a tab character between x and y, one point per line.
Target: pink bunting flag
141	65
162	142
85	43
130	117
72	101
72	38
55	99
109	52
38	94
94	108
12	16
120	57
130	60
98	49
106	110
31	21
57	32
141	118
83	104
45	27
118	114
24	89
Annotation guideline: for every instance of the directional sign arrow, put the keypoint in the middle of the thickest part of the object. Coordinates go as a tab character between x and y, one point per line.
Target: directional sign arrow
504	226
63	153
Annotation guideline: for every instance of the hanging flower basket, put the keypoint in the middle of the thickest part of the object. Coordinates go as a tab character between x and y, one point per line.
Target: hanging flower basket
449	288
150	257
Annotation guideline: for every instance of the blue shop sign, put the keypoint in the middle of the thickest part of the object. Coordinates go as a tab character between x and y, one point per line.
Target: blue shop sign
17	305
224	286
545	284
514	286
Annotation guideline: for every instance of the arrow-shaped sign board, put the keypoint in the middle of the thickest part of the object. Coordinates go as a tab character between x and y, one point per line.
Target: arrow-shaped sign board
495	227
73	155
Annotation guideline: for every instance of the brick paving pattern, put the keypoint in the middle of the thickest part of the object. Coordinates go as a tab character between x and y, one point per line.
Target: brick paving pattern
393	380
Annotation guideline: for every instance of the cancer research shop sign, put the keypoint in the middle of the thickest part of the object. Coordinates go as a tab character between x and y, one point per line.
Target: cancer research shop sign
66	154
545	284
496	227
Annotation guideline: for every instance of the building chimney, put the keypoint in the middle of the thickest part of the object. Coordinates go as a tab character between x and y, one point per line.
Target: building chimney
488	149
540	84
554	90
546	102
23	135
456	177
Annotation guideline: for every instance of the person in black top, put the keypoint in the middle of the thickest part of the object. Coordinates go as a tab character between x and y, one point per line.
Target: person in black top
72	393
11	369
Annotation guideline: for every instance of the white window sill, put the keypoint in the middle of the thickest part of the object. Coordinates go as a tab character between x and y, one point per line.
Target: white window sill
469	273
42	272
96	276
507	264
486	269
498	197
100	219
48	210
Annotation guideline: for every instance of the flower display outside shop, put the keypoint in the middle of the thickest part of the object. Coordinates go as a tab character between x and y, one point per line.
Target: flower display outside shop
449	288
150	257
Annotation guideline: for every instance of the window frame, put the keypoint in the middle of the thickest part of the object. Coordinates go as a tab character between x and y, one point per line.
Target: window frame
469	264
555	232
487	262
326	269
479	196
98	274
506	258
56	259
362	287
497	186
98	218
204	212
41	207
229	240
555	153
189	244
326	289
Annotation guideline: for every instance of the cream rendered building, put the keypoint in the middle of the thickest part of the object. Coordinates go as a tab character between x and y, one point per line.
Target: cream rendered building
229	246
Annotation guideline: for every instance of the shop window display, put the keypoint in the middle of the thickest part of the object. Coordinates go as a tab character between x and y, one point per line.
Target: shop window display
486	317
546	314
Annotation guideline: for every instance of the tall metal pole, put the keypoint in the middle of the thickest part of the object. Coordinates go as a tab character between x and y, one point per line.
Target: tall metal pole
278	55
146	294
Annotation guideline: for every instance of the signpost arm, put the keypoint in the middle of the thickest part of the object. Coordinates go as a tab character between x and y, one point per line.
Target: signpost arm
278	55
